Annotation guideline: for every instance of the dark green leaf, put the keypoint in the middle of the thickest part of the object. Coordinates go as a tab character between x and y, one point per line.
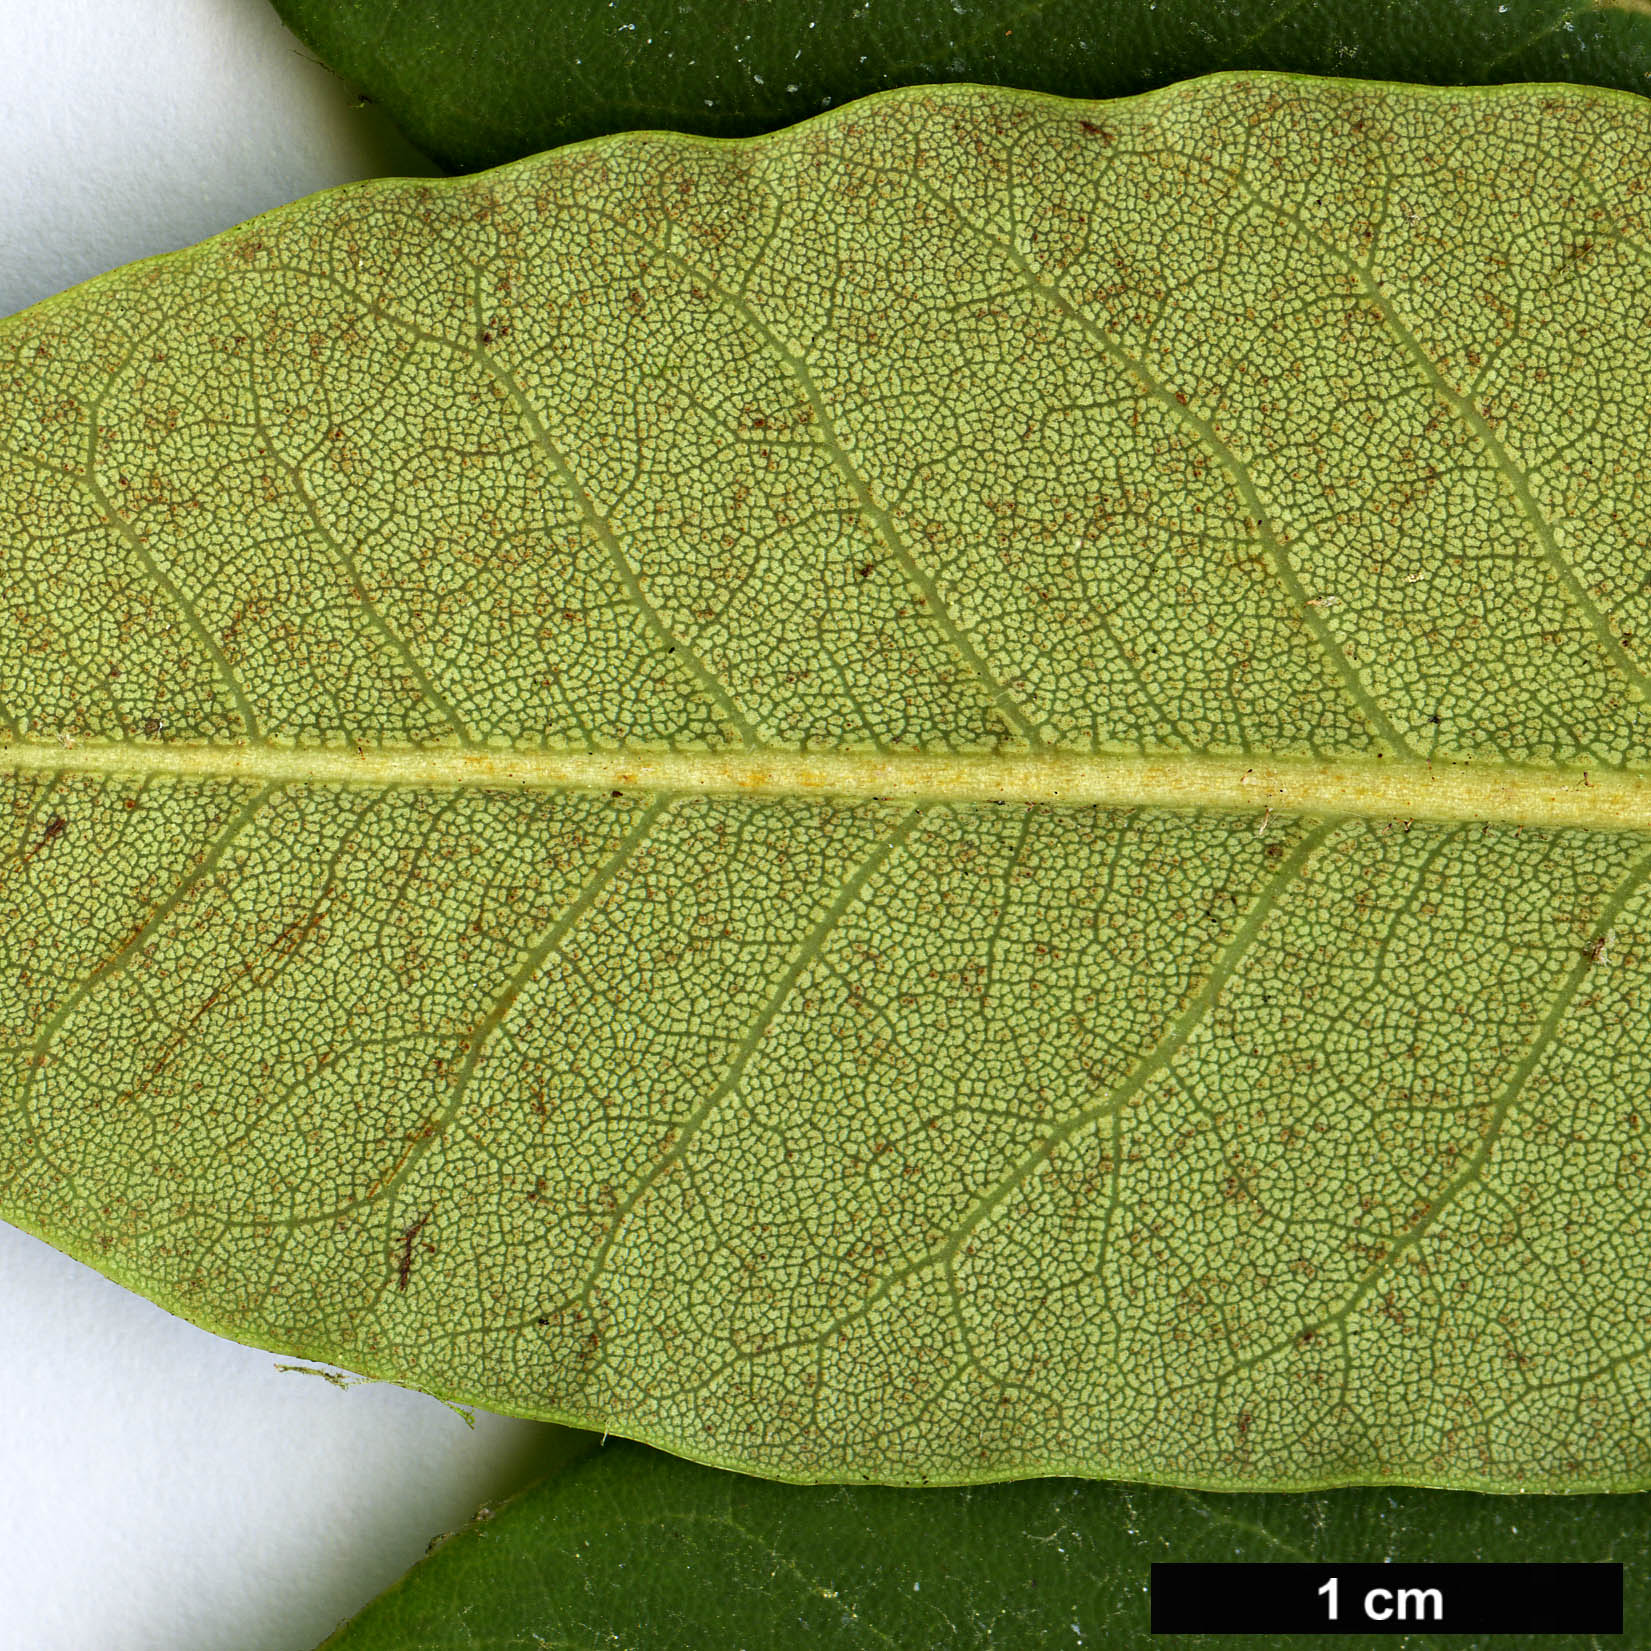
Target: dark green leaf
477	82
636	1549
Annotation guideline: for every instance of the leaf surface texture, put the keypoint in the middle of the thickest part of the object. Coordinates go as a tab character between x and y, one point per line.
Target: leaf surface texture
957	794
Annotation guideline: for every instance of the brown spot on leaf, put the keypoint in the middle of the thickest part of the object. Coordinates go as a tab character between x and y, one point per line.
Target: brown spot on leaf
404	1261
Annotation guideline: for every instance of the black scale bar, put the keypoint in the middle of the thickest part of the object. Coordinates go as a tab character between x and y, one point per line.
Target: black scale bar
1386	1599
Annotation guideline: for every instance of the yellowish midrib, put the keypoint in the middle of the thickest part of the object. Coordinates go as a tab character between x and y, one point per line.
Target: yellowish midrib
1354	786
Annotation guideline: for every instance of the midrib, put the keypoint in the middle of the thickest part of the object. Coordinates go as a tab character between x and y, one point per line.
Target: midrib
1354	786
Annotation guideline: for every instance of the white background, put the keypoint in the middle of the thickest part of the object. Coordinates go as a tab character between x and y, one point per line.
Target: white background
161	1488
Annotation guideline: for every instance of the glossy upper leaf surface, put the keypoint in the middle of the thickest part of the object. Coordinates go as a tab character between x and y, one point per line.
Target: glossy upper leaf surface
961	793
633	1548
478	82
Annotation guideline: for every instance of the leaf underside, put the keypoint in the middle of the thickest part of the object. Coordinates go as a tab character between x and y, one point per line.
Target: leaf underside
487	81
427	948
633	1548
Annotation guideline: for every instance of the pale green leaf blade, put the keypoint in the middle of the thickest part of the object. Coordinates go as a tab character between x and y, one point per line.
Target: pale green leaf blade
637	1549
961	793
